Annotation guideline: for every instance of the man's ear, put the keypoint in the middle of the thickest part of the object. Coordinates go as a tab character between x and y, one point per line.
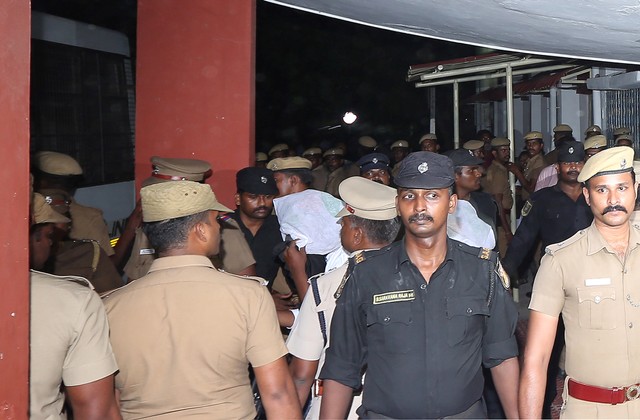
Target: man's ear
358	235
236	197
585	192
200	231
453	202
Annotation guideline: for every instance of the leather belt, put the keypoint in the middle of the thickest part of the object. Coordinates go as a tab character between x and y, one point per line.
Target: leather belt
316	388
603	395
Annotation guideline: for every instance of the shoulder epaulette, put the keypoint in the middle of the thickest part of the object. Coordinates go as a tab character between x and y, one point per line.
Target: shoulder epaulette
353	261
527	208
260	280
553	248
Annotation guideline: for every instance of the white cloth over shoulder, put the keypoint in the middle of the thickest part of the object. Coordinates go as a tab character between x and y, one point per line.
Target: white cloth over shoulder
309	217
465	226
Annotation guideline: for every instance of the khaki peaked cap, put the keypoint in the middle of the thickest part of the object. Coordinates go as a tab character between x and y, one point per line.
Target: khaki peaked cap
294	162
171	200
55	163
610	161
367	199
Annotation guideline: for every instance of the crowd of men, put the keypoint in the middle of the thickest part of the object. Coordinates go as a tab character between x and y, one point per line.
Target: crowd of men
372	288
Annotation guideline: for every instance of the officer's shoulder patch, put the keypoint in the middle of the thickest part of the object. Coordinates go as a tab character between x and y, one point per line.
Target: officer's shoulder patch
554	248
260	280
527	208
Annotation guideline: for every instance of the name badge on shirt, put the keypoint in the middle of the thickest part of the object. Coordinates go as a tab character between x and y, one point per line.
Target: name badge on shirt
399	296
147	251
597	282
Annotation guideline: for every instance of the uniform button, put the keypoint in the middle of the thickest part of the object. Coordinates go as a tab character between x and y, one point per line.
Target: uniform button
423	286
624	271
469	310
597	299
631	325
387	319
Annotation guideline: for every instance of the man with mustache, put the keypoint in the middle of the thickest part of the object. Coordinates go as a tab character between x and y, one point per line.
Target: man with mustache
591	279
256	190
375	166
423	315
552	215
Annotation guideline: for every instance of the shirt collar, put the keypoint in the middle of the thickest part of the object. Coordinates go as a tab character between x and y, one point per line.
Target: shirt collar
595	241
180	261
403	257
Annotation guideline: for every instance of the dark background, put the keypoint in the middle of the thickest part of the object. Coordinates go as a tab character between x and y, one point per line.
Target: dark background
311	69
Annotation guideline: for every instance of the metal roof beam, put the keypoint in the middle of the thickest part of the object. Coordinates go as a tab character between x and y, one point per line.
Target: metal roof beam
488	67
493	75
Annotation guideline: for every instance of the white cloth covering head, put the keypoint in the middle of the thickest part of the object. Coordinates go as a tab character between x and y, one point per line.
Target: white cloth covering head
310	217
465	226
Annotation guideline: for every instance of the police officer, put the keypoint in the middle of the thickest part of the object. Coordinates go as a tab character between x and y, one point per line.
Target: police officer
593	130
591	279
185	333
423	315
476	147
331	173
496	183
429	143
256	190
57	172
314	155
594	144
534	144
70	354
369	221
399	150
552	214
375	166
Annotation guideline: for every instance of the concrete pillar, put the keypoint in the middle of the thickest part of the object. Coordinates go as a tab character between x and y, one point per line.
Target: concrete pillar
15	30
195	86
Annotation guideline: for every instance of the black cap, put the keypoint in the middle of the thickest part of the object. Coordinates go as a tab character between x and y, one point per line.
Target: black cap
425	170
464	157
373	161
571	151
256	181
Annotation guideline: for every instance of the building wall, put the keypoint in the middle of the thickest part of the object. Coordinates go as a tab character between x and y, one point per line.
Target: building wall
195	86
15	31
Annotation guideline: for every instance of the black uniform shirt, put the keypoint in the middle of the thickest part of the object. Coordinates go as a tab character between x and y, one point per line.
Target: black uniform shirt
423	344
551	215
262	245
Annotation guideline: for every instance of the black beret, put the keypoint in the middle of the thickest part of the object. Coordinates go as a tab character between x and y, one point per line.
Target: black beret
570	151
425	170
373	161
256	181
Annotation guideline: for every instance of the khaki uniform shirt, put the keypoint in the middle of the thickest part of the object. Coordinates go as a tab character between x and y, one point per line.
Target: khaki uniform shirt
235	254
88	223
531	172
184	335
69	341
305	340
86	259
599	298
496	181
324	180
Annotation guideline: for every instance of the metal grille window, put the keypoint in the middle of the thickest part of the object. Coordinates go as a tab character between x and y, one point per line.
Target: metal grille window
622	109
81	105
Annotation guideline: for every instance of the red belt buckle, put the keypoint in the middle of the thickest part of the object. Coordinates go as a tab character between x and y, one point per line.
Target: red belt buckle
597	394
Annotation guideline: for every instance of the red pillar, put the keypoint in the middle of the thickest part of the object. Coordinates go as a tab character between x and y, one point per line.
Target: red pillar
15	30
195	85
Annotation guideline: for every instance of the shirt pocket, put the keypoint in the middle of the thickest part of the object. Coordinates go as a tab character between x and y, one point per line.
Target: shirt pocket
389	327
596	308
465	318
